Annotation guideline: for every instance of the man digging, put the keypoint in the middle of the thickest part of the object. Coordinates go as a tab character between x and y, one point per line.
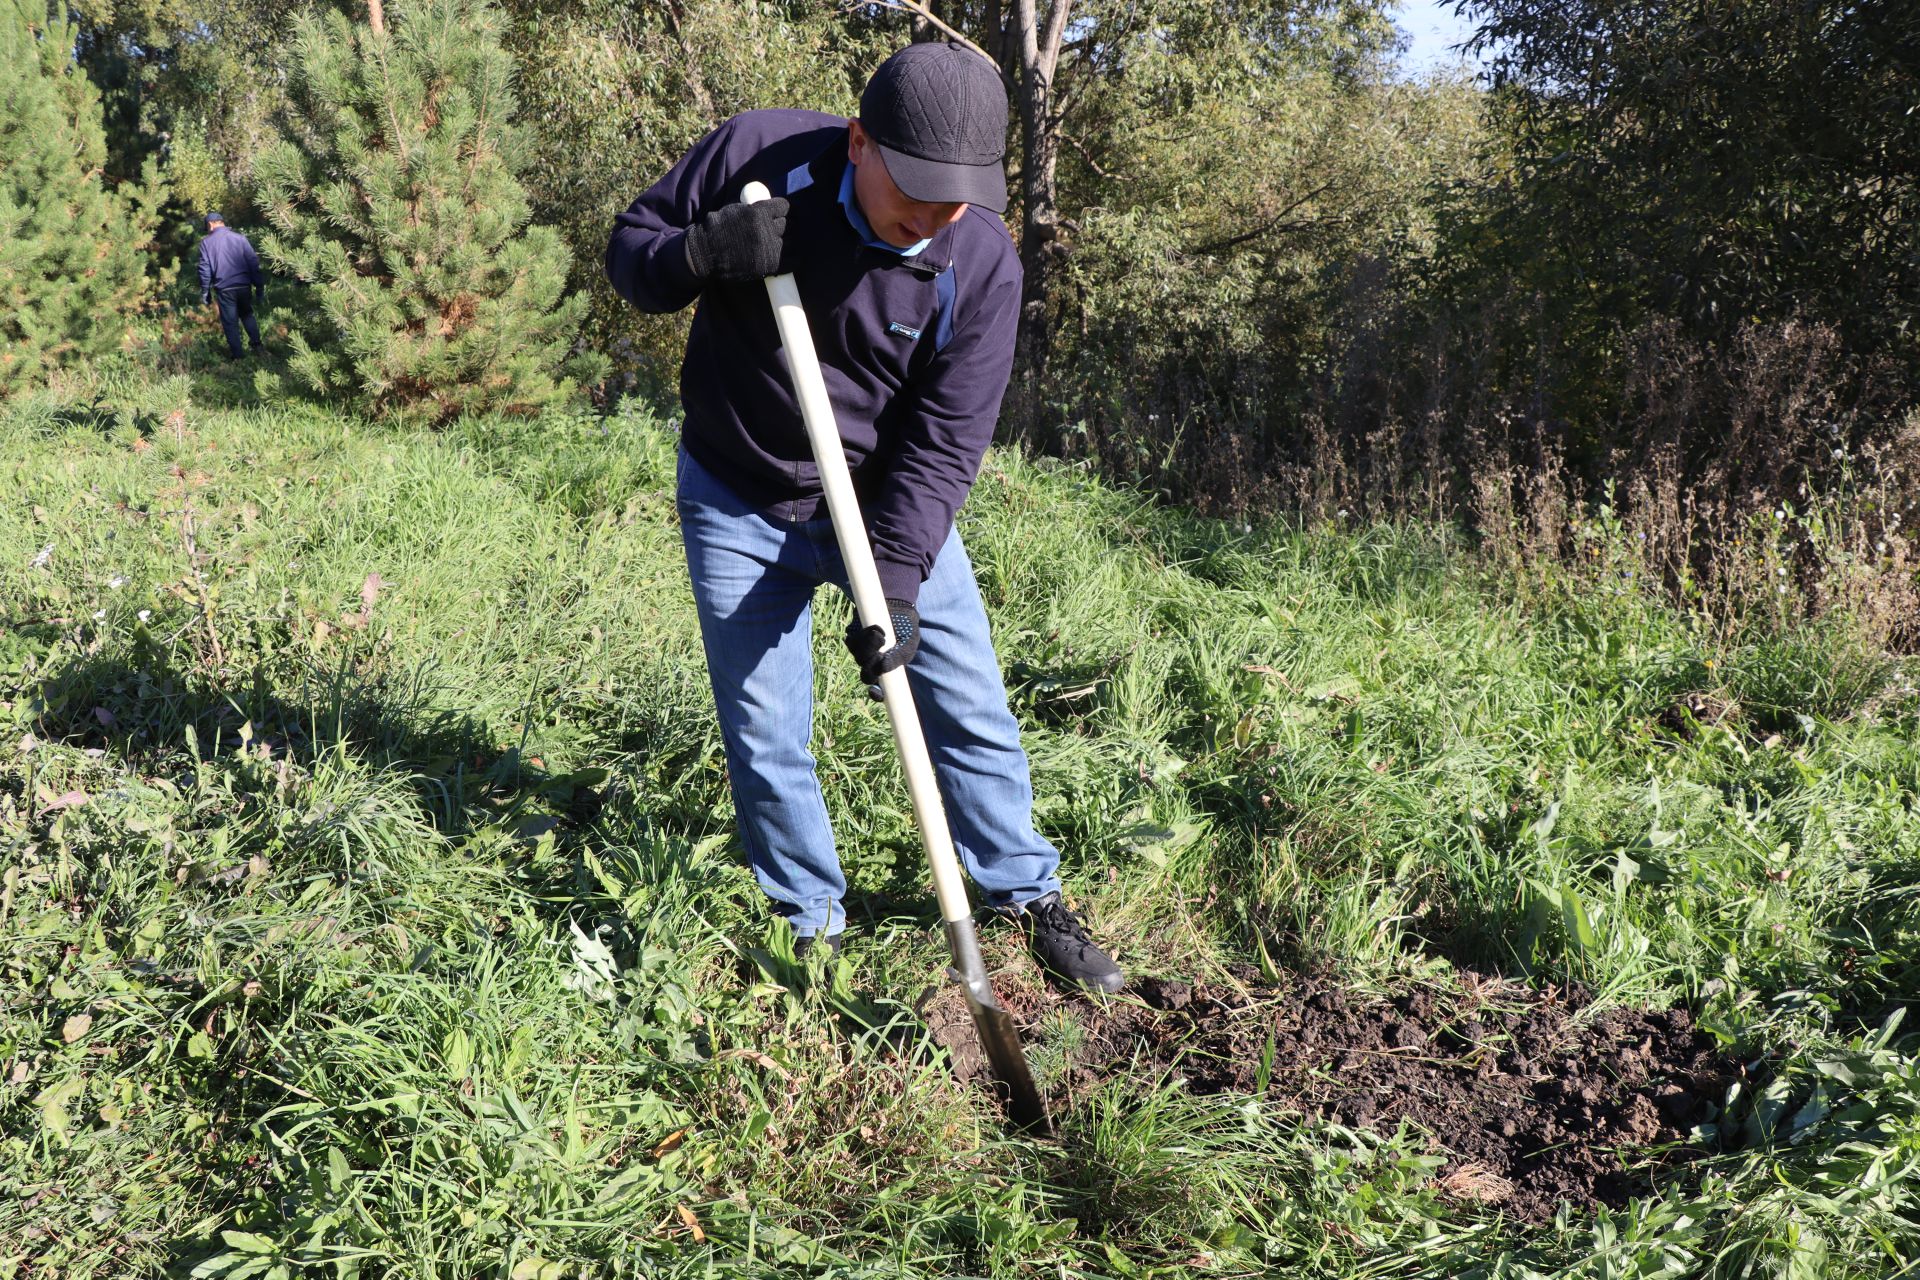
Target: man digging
913	288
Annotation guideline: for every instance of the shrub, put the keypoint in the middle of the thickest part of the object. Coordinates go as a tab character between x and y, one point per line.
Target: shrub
396	193
71	266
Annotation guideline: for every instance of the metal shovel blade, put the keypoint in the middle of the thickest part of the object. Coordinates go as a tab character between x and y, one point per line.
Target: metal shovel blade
999	1038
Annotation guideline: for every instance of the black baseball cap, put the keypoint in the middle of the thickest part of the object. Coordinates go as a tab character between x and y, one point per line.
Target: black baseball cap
939	114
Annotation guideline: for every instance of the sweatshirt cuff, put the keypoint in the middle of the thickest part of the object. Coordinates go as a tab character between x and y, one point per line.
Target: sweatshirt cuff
678	265
898	581
650	269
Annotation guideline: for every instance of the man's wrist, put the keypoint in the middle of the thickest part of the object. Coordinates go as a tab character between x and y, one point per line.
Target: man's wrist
898	581
678	259
877	652
690	253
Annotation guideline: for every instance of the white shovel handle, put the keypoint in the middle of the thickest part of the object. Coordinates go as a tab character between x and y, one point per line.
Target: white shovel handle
869	599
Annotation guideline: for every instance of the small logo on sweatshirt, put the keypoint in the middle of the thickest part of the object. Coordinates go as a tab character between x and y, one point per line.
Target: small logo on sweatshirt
902	330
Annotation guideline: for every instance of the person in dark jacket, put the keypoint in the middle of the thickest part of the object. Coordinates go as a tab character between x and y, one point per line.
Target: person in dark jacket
230	272
912	288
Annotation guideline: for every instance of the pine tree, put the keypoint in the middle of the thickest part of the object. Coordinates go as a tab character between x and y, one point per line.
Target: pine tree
71	268
396	192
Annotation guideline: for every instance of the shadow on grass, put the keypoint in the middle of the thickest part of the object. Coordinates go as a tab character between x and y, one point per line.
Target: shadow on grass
571	833
223	381
142	708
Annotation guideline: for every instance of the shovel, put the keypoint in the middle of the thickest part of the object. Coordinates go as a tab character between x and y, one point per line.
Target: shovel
998	1037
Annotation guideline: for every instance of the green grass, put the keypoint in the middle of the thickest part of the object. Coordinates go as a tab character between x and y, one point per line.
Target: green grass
371	905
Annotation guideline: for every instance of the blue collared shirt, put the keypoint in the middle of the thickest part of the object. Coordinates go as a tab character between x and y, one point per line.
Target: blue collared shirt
860	223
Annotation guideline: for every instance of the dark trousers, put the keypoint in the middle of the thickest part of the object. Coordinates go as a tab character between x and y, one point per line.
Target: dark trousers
236	309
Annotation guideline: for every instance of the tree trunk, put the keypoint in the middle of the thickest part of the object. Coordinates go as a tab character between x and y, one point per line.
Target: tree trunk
1037	37
995	38
923	30
690	63
377	16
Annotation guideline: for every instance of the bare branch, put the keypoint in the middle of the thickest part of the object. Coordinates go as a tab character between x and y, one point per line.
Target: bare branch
1267	229
919	9
1278	222
1086	154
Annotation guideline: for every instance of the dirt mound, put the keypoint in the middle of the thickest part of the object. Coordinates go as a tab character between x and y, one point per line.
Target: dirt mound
1533	1098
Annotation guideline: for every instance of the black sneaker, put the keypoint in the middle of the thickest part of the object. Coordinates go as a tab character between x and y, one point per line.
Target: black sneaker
803	945
1062	946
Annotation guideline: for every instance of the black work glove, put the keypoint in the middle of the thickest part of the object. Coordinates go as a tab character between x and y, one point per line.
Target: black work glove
259	295
206	297
867	644
738	241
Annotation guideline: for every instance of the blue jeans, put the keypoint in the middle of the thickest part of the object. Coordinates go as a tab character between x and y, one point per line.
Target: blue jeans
754	576
236	308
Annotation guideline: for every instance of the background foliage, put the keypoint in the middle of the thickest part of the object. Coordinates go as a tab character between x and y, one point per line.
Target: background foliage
1717	165
624	89
1282	275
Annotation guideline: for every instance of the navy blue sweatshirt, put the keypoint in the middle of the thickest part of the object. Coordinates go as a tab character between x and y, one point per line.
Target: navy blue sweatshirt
915	351
227	261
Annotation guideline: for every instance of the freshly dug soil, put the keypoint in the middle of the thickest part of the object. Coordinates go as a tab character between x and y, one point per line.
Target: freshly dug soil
1532	1100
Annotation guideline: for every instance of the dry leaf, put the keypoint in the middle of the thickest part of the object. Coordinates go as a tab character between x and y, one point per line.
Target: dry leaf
21	1072
692	1223
142	445
759	1059
75	1027
671	1141
370	591
70	800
